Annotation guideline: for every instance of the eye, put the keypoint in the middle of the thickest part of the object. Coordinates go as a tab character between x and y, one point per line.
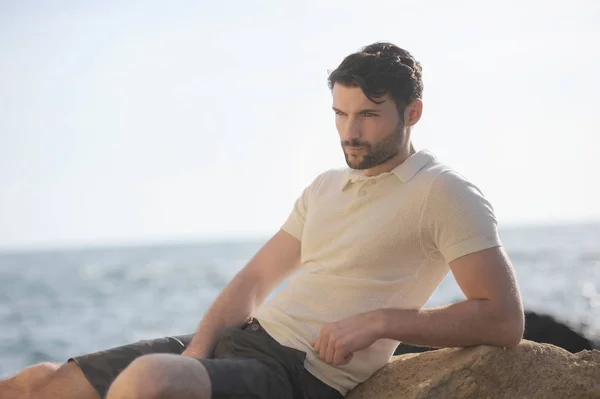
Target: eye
369	114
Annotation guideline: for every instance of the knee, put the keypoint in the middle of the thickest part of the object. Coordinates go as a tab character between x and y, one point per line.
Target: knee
142	379
36	375
32	378
159	376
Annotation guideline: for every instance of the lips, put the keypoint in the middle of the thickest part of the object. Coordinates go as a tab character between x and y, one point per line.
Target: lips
354	150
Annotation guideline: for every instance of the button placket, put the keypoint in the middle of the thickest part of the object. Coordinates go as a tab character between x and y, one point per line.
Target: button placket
363	188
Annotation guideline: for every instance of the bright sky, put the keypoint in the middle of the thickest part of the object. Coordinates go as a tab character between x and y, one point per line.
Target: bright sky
123	122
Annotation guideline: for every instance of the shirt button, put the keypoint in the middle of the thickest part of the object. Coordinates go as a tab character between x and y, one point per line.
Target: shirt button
362	192
254	327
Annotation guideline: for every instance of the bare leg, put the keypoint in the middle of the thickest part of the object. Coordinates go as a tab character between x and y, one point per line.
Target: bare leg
48	381
162	376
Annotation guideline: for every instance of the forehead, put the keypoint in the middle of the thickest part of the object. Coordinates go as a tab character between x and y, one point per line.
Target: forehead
351	98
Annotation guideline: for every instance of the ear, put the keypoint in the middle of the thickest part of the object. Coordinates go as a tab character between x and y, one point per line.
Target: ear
413	112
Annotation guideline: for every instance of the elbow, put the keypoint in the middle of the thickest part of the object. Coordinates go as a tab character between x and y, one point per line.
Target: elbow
512	330
512	338
505	325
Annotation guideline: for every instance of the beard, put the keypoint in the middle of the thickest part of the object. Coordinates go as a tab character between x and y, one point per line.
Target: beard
376	153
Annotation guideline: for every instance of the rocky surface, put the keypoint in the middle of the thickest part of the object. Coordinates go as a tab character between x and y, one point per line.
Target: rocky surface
531	370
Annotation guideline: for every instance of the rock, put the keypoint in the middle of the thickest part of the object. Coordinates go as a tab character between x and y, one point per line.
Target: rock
539	328
531	370
545	329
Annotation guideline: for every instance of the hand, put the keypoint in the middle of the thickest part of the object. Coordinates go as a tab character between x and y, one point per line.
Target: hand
338	341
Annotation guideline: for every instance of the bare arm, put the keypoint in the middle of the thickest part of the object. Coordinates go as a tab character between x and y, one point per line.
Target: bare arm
277	259
491	315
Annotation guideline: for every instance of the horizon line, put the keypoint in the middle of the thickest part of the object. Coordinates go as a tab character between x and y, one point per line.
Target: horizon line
216	239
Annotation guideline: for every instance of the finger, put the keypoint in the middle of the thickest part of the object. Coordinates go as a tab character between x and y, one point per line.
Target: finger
339	354
330	353
345	359
317	343
322	348
322	341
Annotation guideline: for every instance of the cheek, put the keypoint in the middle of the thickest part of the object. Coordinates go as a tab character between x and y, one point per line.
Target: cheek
374	128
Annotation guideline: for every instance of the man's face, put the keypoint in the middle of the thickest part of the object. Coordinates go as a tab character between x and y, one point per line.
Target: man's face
370	133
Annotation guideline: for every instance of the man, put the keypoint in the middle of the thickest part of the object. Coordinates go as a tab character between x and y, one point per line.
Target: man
364	248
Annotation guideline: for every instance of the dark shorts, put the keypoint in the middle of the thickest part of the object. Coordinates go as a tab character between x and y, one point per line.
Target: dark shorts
247	363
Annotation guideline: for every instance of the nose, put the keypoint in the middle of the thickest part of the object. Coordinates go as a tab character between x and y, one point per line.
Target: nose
351	129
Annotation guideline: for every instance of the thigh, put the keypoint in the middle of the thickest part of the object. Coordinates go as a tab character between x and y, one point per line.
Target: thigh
102	367
276	366
247	378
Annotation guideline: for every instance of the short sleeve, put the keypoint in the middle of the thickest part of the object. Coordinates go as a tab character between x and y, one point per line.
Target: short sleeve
457	218
294	224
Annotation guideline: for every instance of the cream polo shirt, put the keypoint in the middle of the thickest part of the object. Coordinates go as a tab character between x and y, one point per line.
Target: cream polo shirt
370	243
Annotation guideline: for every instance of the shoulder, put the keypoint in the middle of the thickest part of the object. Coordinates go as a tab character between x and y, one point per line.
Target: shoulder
456	217
442	181
448	194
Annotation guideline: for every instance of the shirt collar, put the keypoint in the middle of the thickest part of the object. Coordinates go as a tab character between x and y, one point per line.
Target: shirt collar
405	171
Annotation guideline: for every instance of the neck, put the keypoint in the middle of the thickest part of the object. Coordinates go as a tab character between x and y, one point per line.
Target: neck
391	163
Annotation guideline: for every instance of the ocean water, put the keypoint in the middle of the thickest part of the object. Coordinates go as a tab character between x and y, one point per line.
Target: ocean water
57	304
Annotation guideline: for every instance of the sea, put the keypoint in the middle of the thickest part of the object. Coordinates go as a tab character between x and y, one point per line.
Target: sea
55	304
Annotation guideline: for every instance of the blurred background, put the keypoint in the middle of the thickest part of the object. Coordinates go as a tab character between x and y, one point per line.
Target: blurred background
148	150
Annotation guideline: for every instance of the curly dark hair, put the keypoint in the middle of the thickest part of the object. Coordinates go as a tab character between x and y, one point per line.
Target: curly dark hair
381	68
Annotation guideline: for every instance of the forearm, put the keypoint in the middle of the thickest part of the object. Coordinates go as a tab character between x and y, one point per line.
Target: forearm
278	258
233	307
467	323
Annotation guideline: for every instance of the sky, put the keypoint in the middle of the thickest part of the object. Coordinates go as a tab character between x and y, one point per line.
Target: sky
130	121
